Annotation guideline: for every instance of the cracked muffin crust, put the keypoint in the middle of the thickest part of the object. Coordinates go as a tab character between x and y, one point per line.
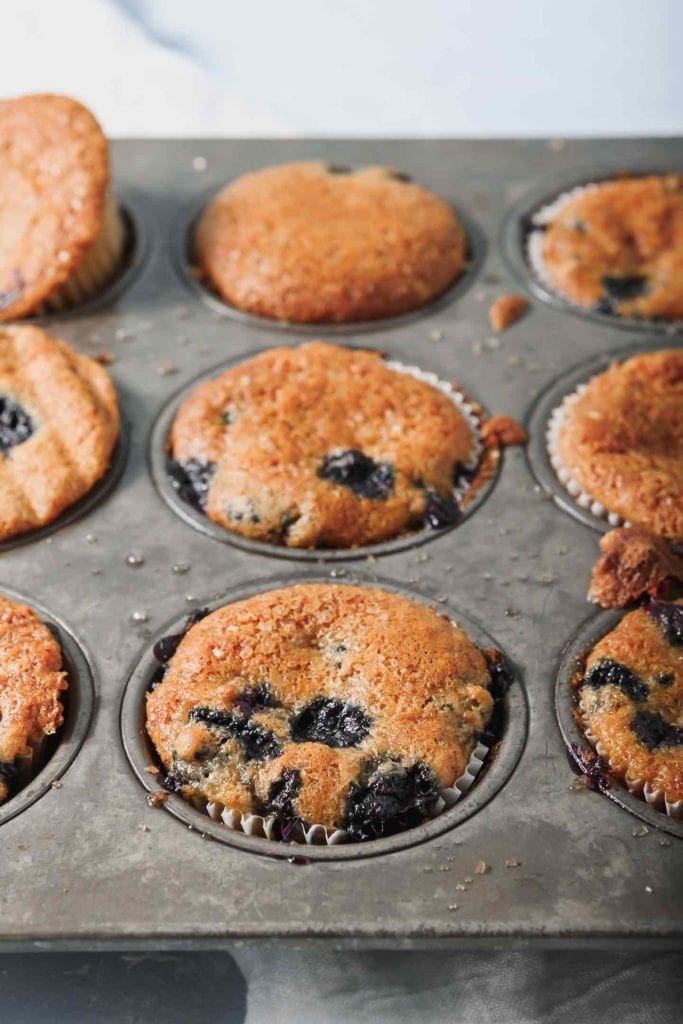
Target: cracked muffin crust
616	246
320	446
31	680
337	705
61	232
620	439
631	700
59	423
318	243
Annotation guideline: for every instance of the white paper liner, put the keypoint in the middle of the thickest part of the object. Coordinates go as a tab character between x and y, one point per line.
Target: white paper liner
464	407
654	797
318	835
570	484
534	241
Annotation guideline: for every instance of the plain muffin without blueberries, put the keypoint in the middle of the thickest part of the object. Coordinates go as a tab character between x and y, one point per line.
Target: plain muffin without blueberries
62	235
318	243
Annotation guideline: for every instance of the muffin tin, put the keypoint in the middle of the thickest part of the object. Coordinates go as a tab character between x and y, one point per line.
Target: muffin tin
527	856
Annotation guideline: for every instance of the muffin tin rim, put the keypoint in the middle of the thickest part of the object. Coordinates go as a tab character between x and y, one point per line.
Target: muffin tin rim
537	417
181	258
541	192
498	767
156	459
80	509
592	629
79	706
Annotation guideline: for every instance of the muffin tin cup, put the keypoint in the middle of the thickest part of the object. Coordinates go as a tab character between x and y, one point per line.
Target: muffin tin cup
522	256
475	498
85	505
486	773
542	422
50	758
189	274
630	794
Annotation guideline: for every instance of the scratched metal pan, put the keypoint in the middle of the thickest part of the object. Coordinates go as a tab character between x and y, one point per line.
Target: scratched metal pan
527	857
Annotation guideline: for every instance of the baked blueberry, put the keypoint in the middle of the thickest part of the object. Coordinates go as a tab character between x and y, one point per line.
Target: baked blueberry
610	673
653	730
669	618
390	801
329	721
191	478
16	425
365	477
440	511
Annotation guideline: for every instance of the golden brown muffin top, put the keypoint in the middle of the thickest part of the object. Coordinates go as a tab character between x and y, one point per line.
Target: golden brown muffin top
621	439
619	245
54	174
31	681
302	243
59	422
275	434
631	700
335	682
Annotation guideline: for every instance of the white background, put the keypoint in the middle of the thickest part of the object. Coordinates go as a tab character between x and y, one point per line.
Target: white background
354	67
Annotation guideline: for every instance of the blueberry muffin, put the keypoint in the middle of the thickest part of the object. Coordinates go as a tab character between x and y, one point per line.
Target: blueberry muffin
616	246
62	236
336	705
31	680
59	422
619	441
311	242
320	446
631	700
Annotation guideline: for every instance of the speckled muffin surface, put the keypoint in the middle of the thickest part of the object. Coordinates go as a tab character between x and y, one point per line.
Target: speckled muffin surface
319	446
59	423
31	681
308	242
621	439
54	177
631	699
618	246
337	705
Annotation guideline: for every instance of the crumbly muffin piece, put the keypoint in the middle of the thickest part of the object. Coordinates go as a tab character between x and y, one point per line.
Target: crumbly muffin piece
320	446
633	563
31	680
62	236
506	310
311	242
617	246
336	705
621	440
59	423
631	699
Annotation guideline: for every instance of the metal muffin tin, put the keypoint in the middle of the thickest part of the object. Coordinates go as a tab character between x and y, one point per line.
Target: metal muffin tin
527	857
